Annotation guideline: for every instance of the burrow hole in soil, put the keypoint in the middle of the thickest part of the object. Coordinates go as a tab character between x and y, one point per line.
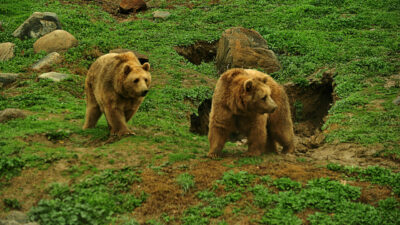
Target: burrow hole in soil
201	51
309	107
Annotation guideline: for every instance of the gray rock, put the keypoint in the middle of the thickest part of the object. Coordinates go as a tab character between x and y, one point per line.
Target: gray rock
244	48
161	14
18	216
46	62
58	40
6	115
54	76
37	25
8	78
397	100
6	51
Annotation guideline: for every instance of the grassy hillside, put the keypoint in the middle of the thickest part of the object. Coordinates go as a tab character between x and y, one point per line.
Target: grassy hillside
58	172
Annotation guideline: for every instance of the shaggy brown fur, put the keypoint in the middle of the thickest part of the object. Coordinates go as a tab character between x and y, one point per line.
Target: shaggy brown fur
115	85
279	125
241	102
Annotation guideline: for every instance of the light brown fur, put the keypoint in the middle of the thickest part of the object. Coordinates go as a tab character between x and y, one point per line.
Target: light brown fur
280	125
115	85
240	103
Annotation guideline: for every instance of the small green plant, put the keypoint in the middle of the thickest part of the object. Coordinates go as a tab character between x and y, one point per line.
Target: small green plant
92	201
186	181
12	203
248	161
286	183
237	181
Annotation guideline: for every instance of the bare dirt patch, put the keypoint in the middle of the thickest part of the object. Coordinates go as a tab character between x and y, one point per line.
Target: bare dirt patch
201	51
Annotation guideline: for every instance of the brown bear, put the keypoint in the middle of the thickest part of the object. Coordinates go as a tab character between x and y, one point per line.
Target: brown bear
115	85
254	104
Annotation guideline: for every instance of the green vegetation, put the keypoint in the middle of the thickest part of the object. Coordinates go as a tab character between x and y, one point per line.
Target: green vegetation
186	181
61	174
92	201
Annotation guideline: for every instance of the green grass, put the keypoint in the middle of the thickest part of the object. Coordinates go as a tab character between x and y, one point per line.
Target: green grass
359	39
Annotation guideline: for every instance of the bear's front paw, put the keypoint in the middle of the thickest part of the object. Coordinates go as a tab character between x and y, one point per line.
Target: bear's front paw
213	155
122	133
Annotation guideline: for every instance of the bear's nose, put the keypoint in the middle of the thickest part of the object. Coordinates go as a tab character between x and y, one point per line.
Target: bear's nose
144	93
273	109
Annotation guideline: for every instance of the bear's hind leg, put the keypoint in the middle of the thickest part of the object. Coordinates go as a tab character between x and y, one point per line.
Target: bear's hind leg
93	114
93	111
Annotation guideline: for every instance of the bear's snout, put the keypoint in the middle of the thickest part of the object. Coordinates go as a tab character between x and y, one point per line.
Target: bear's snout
144	93
273	109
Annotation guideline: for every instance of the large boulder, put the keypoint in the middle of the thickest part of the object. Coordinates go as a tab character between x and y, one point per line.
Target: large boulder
6	51
58	40
37	25
47	62
127	6
244	48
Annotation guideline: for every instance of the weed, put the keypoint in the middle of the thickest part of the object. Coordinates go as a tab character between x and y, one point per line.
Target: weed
186	181
248	161
236	181
92	201
12	203
286	183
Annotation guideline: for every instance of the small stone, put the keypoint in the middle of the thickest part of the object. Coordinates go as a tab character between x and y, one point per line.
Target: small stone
54	76
397	100
8	78
58	40
6	51
48	61
161	14
18	216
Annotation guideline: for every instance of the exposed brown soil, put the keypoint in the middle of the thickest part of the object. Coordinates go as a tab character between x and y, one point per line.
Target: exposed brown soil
201	51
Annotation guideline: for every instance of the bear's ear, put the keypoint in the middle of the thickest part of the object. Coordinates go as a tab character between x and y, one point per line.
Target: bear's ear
127	70
230	74
248	85
146	66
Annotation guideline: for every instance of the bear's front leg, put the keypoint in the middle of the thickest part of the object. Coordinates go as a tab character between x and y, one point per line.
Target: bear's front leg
217	137
116	121
257	137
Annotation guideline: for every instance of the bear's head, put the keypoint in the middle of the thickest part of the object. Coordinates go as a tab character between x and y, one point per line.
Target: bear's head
252	93
257	96
135	79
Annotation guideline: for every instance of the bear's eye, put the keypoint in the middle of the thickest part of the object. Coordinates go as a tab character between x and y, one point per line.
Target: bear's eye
135	81
265	98
145	80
